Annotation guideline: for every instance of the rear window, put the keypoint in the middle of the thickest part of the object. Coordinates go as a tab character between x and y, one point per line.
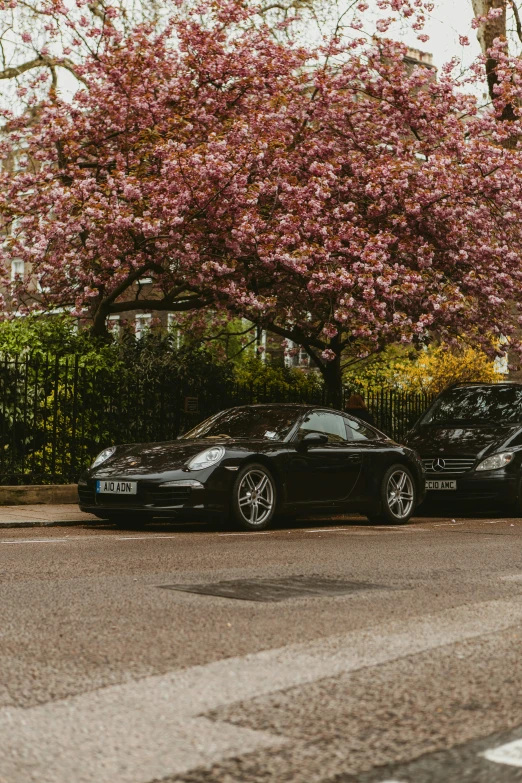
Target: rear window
477	405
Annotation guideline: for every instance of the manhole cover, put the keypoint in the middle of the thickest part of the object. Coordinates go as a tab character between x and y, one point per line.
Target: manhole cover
276	589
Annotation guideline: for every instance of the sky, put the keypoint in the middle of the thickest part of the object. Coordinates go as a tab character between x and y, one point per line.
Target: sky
449	19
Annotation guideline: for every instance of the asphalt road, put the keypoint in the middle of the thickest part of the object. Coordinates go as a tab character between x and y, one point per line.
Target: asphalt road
336	653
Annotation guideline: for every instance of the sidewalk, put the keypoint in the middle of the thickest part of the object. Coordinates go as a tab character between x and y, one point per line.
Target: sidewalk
43	515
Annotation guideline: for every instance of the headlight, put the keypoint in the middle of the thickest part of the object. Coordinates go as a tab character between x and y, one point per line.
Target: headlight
206	458
496	461
103	455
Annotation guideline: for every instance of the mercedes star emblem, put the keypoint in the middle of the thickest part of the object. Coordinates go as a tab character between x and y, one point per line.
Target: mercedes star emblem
439	464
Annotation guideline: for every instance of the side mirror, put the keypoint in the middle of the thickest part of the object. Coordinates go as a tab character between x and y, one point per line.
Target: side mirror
313	439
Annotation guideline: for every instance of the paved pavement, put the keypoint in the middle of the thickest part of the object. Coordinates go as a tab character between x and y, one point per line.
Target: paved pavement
174	654
42	515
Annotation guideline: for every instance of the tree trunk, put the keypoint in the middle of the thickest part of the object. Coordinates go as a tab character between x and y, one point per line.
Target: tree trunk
486	34
333	381
99	324
493	28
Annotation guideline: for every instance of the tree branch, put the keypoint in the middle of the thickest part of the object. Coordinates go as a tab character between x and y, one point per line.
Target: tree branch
296	336
518	22
95	10
40	62
165	305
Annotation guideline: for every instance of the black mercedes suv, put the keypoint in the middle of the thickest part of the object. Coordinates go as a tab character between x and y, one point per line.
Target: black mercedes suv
470	442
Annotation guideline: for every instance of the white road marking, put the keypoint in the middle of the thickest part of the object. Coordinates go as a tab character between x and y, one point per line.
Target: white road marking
403	528
74	539
506	754
252	533
156	727
356	530
297	530
327	529
37	541
136	538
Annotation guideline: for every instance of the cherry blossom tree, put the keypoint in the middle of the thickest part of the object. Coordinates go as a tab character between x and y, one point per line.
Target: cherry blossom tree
44	43
124	182
331	195
391	214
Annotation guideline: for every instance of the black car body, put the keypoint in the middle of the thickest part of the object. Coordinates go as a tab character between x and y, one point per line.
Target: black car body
316	459
465	426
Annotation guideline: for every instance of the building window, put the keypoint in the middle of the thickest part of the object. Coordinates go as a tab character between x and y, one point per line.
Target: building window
142	324
261	344
113	325
501	362
174	330
17	268
295	355
42	289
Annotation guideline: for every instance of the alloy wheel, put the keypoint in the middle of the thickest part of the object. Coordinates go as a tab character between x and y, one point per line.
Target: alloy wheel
255	497
400	494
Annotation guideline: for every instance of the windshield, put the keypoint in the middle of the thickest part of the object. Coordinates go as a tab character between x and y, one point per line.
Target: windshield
477	405
267	423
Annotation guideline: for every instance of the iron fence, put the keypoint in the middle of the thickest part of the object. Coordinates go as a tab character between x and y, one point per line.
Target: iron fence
56	415
395	411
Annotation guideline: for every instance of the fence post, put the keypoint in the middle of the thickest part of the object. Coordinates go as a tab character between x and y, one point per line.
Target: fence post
55	416
74	416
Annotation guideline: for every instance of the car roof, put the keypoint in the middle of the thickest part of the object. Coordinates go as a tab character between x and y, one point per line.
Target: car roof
463	384
297	405
278	404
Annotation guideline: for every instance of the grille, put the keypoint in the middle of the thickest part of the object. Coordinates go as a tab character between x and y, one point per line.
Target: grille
153	496
167	496
448	464
106	499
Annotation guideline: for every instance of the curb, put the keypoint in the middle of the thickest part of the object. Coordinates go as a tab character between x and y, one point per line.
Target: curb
38	494
42	523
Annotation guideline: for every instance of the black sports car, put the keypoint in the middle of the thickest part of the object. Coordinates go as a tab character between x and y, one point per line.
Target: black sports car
470	441
253	462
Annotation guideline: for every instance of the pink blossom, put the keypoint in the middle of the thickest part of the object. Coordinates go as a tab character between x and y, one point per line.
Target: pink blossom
382	25
328	355
387	209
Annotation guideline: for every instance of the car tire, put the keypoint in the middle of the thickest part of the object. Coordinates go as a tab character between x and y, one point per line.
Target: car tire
253	497
398	496
514	508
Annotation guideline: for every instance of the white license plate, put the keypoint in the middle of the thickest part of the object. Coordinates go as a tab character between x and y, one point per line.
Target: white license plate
116	487
441	484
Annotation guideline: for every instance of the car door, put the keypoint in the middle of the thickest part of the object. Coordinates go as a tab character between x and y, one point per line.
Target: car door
322	474
369	444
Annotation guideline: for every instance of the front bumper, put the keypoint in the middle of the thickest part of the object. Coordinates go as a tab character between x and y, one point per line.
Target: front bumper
490	487
152	500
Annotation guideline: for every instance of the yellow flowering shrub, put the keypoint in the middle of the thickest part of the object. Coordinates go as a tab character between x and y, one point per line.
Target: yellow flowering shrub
429	371
437	368
382	370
